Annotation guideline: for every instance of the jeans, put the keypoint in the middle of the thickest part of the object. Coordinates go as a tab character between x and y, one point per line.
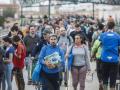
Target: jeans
7	77
28	63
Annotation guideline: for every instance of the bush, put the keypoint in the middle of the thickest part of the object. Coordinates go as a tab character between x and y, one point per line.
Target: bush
9	12
2	20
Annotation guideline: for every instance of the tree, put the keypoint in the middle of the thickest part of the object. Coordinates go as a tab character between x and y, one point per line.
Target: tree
2	20
9	12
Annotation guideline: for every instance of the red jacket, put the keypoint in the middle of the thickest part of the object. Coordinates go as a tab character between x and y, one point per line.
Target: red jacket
19	56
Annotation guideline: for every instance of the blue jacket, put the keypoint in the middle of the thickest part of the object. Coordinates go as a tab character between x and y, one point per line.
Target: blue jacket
48	50
70	59
110	42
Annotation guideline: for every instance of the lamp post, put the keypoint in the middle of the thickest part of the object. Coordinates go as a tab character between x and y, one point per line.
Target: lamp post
49	9
21	12
93	4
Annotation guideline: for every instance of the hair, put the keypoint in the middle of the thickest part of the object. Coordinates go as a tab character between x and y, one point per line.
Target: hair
110	25
16	39
57	26
31	26
62	28
14	28
77	25
81	36
7	39
21	33
100	26
46	31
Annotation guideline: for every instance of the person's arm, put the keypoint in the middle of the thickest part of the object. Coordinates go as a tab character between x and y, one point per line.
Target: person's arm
10	58
18	52
42	55
41	58
87	58
62	57
25	40
95	47
71	40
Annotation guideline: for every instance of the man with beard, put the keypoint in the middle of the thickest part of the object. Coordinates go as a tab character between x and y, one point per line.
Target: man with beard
64	41
78	30
52	60
31	41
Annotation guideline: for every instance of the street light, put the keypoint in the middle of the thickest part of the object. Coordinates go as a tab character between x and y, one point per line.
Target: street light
49	9
93	3
21	13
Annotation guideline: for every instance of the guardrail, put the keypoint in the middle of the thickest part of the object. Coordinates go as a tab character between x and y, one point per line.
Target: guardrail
3	32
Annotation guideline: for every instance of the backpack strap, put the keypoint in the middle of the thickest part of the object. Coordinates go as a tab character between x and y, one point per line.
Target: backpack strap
69	40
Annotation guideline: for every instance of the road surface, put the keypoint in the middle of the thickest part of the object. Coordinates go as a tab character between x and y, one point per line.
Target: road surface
90	84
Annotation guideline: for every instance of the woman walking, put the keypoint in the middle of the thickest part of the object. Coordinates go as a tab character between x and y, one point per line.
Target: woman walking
79	62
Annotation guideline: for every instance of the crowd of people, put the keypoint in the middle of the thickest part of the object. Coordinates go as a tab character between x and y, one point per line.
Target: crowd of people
66	41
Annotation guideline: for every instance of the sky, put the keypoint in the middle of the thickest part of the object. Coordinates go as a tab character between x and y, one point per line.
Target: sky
4	1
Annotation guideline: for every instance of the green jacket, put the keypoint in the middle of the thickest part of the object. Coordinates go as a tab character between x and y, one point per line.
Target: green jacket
96	49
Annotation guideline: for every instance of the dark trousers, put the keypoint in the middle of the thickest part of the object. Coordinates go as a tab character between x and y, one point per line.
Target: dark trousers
51	81
109	73
19	78
1	78
99	70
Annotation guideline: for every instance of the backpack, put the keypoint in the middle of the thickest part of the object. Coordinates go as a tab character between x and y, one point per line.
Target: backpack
110	51
68	39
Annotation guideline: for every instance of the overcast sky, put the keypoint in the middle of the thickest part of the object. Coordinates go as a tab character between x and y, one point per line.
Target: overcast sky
4	1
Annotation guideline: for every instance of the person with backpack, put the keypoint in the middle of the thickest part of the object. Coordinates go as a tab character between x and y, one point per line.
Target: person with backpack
78	62
64	41
18	62
51	59
78	30
97	33
31	41
110	42
96	55
44	40
8	61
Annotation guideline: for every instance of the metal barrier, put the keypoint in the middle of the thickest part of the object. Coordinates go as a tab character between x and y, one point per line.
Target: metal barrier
3	33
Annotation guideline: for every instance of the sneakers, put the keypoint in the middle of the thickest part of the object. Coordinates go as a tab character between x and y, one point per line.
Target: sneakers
29	82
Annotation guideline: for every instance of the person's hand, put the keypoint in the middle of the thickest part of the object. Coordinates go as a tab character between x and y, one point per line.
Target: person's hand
52	66
92	59
32	58
49	65
66	56
88	72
